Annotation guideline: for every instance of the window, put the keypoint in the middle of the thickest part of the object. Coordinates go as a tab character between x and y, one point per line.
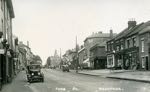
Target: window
143	62
110	61
118	48
1	4
2	25
134	41
128	43
142	45
122	47
108	47
90	40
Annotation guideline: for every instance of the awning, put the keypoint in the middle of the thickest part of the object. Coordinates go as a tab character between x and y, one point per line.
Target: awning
86	61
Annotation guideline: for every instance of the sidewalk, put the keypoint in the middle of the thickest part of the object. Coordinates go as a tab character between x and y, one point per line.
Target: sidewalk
19	84
142	76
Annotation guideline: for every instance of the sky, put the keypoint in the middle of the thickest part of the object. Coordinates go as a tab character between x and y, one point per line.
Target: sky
49	25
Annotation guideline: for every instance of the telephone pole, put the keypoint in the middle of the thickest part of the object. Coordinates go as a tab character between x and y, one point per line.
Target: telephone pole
76	56
60	59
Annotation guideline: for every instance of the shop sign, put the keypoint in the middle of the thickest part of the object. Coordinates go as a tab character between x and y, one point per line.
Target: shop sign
2	51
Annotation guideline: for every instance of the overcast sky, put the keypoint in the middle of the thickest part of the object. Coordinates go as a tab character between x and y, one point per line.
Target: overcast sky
54	24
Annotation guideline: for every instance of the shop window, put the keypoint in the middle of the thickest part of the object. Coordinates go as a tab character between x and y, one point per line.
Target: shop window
143	62
110	61
142	45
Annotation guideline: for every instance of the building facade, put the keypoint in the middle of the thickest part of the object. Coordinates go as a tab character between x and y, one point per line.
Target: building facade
129	49
98	56
96	38
6	57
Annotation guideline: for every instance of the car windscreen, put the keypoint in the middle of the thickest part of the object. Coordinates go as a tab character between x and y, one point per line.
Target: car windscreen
35	67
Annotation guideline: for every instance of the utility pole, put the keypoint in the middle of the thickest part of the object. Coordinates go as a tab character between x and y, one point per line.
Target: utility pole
76	56
60	59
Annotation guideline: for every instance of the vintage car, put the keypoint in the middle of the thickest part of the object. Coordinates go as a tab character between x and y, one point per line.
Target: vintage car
65	68
34	73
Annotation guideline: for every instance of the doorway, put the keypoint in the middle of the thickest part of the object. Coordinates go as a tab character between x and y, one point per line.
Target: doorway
146	63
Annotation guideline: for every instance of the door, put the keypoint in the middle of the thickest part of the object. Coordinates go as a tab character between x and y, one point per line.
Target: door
146	62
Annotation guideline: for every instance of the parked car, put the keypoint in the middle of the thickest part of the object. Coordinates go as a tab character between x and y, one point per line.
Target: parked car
65	68
34	73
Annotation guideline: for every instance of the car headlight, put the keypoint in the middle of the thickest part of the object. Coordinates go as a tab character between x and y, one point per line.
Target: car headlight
32	74
38	73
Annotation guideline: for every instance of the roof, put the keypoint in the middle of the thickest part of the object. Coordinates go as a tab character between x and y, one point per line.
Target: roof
100	35
99	45
81	50
147	29
129	31
136	29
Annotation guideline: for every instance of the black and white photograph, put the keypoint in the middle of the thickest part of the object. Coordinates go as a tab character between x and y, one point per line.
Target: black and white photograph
74	45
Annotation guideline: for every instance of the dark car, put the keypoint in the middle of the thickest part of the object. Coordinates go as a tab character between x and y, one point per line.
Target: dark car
34	73
65	68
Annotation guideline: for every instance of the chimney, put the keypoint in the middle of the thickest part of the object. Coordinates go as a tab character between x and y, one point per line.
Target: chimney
131	23
28	43
111	33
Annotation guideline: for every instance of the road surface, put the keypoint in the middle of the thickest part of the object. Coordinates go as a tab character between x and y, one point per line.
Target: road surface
58	81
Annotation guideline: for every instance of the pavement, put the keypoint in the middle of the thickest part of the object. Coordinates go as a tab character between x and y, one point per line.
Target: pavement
133	75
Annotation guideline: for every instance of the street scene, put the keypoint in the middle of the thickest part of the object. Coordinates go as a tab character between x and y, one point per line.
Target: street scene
74	46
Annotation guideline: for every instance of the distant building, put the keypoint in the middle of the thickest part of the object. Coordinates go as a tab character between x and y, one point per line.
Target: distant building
96	38
70	58
55	60
81	56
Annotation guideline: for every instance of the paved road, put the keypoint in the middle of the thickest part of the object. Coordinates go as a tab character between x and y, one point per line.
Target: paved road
58	81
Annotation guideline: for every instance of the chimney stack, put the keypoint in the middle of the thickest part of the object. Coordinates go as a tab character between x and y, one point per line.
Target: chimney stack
28	43
111	33
131	23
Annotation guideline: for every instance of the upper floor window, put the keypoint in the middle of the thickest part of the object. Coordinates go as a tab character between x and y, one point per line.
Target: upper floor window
142	45
121	46
108	47
1	4
134	41
90	40
128	43
118	48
